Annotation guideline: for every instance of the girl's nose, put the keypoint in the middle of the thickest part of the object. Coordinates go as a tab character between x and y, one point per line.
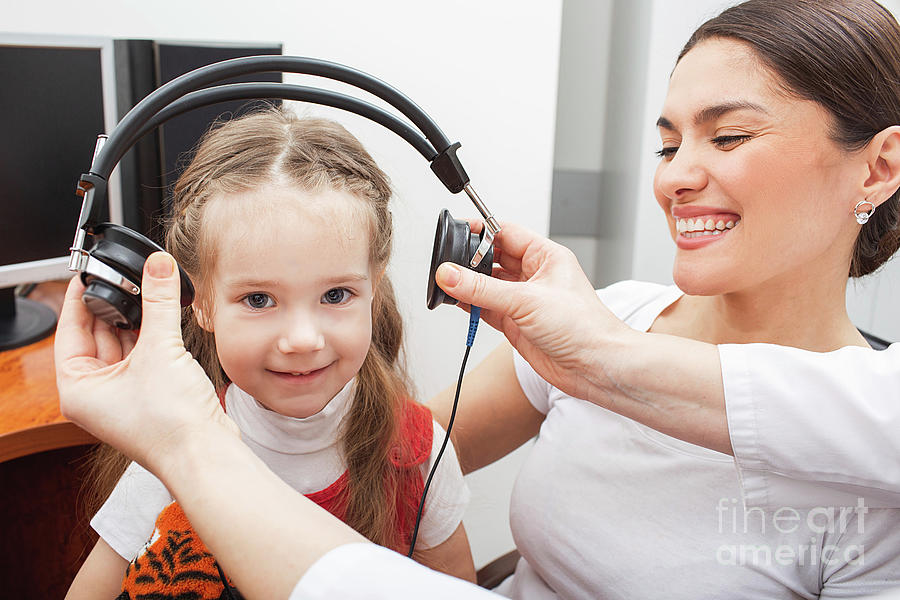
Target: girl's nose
302	333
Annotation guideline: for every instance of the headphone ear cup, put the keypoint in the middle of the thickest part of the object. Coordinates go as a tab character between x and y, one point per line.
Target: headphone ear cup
125	251
110	304
453	242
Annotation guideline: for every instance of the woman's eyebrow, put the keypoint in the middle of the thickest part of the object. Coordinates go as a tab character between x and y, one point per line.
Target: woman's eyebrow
711	113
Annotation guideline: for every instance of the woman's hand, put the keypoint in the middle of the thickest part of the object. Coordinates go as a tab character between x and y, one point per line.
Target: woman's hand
545	306
541	300
144	394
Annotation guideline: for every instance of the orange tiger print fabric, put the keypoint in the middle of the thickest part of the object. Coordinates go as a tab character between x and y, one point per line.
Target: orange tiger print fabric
174	564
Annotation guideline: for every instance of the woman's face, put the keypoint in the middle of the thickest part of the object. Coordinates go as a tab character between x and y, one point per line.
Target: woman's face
755	192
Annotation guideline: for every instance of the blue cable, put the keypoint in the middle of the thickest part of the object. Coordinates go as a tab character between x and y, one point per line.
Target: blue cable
474	316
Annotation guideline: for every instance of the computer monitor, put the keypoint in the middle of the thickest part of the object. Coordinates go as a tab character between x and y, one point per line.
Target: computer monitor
58	94
149	171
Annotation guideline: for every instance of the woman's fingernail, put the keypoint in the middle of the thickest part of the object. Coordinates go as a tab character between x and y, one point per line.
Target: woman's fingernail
160	266
448	275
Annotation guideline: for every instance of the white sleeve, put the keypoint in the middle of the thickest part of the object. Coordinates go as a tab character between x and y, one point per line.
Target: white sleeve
800	420
536	389
447	497
370	572
127	518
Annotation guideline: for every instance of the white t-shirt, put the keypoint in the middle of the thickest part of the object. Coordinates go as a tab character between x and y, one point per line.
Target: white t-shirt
605	507
305	453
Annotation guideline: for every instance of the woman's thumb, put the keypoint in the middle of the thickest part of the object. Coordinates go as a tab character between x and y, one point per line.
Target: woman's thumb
474	288
161	293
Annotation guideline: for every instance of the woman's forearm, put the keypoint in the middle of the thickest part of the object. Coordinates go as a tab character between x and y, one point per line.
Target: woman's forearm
264	534
671	384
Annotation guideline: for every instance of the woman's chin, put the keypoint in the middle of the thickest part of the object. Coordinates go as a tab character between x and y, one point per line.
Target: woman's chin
698	284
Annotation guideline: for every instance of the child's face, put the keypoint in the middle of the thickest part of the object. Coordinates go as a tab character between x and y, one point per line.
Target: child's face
293	293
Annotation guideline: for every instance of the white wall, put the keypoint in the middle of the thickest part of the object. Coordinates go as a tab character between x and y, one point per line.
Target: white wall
485	71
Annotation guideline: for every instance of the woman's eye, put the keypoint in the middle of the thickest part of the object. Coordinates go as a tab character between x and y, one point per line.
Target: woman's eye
727	142
336	296
667	152
258	300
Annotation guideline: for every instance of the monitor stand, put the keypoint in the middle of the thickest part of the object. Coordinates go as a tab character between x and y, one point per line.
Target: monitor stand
23	321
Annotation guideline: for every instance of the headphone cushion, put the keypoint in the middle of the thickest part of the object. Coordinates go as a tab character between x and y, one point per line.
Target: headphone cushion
126	251
111	304
453	242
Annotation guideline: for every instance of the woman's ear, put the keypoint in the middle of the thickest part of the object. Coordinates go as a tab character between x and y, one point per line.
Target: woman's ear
883	158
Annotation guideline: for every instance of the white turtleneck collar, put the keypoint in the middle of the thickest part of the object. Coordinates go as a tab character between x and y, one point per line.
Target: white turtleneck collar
283	434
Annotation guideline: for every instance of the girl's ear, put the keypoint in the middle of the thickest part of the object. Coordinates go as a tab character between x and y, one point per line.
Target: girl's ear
883	159
202	319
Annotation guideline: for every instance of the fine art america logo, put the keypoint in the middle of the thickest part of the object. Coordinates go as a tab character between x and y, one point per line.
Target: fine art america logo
801	534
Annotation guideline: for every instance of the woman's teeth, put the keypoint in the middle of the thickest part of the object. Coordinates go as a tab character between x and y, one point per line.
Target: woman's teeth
700	227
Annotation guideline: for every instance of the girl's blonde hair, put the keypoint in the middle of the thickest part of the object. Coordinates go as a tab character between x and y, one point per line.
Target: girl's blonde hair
314	154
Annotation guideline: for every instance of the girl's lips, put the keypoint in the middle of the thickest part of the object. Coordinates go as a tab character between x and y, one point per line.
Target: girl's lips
292	377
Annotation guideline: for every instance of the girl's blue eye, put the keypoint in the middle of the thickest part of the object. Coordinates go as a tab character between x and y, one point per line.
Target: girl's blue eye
258	300
336	296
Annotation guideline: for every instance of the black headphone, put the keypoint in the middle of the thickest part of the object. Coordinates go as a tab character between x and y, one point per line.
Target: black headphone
111	269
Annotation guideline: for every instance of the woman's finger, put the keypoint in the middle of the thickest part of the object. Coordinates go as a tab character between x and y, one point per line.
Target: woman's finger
514	240
509	263
128	339
502	274
475	224
109	348
161	294
474	288
74	332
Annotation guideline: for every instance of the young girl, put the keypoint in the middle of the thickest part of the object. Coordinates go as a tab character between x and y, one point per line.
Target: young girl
282	223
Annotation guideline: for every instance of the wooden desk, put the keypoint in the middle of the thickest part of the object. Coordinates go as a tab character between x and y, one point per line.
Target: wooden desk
30	421
44	535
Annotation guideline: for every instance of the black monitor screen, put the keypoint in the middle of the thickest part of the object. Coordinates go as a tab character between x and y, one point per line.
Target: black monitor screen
181	134
51	110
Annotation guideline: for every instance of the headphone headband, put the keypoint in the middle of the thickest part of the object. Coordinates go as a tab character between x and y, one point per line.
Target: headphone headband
108	270
284	91
132	122
184	93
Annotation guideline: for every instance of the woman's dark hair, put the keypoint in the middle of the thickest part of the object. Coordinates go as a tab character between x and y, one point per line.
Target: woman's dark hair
842	54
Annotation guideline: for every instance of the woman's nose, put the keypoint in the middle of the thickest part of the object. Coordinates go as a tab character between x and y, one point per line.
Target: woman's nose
682	174
302	333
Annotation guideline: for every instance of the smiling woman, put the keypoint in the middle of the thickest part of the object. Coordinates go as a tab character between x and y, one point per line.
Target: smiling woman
742	148
773	140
